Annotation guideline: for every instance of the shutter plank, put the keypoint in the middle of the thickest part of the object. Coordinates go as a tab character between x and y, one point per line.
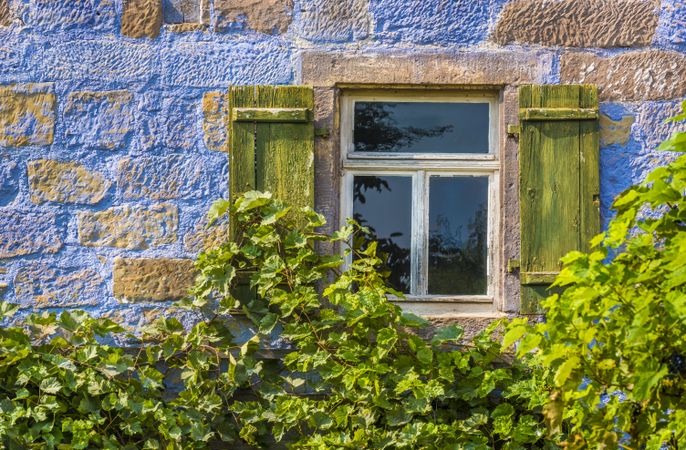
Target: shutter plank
589	175
242	148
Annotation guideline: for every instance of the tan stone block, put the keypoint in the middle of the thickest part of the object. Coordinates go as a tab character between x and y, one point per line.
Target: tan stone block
265	16
615	132
204	238
152	279
141	18
27	114
633	76
578	23
467	68
215	107
130	227
42	286
65	182
5	18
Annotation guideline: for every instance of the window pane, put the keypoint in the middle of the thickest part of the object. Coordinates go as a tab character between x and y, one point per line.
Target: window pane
421	127
384	204
458	247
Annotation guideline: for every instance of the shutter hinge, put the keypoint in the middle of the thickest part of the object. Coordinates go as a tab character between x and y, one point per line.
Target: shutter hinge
512	265
513	130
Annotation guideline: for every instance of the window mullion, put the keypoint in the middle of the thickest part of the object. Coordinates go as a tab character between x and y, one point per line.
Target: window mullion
419	237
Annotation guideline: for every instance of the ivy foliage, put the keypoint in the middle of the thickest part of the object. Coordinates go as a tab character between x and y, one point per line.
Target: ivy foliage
356	373
613	343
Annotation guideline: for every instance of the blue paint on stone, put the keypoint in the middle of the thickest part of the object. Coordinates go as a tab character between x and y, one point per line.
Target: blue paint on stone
49	16
9	180
671	31
153	151
434	22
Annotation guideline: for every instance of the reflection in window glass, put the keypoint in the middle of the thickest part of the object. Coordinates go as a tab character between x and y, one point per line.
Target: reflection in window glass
384	204
421	127
458	230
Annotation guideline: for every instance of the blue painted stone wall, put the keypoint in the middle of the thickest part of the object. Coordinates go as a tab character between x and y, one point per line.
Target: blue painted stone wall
112	138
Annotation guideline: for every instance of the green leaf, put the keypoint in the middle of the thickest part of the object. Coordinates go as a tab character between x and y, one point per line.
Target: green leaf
50	385
565	370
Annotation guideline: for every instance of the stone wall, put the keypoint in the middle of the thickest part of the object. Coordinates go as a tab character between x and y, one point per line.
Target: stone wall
112	131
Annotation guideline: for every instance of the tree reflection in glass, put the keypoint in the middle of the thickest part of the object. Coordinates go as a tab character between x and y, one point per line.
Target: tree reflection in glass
421	127
384	205
458	230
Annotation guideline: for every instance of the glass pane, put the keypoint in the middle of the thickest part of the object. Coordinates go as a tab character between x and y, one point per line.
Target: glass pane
384	204
458	250
421	127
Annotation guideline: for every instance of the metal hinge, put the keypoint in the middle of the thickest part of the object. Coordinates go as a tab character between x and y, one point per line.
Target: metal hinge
512	130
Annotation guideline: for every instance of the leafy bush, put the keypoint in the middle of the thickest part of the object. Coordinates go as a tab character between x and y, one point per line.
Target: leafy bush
356	376
613	343
368	380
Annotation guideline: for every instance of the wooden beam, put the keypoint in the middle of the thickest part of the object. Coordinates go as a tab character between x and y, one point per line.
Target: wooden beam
272	115
558	114
537	278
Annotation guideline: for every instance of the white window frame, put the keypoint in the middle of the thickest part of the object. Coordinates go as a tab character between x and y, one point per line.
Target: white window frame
420	167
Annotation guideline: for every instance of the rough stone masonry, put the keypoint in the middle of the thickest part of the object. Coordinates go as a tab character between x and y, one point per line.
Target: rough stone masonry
112	113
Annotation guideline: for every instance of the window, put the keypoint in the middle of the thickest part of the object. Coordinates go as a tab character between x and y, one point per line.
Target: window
421	171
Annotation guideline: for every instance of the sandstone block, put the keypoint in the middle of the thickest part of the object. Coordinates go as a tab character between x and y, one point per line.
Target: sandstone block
203	238
480	67
65	182
634	76
98	60
183	11
462	22
9	181
264	16
141	18
52	16
142	279
99	119
215	108
615	132
44	285
578	23
129	227
335	20
5	18
27	114
26	233
214	65
164	177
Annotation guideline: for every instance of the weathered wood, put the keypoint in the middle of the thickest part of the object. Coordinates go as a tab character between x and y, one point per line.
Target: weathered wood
589	177
271	115
536	278
558	169
273	155
558	114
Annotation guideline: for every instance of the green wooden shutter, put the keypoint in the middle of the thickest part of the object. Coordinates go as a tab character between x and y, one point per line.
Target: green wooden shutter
272	142
559	181
271	148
